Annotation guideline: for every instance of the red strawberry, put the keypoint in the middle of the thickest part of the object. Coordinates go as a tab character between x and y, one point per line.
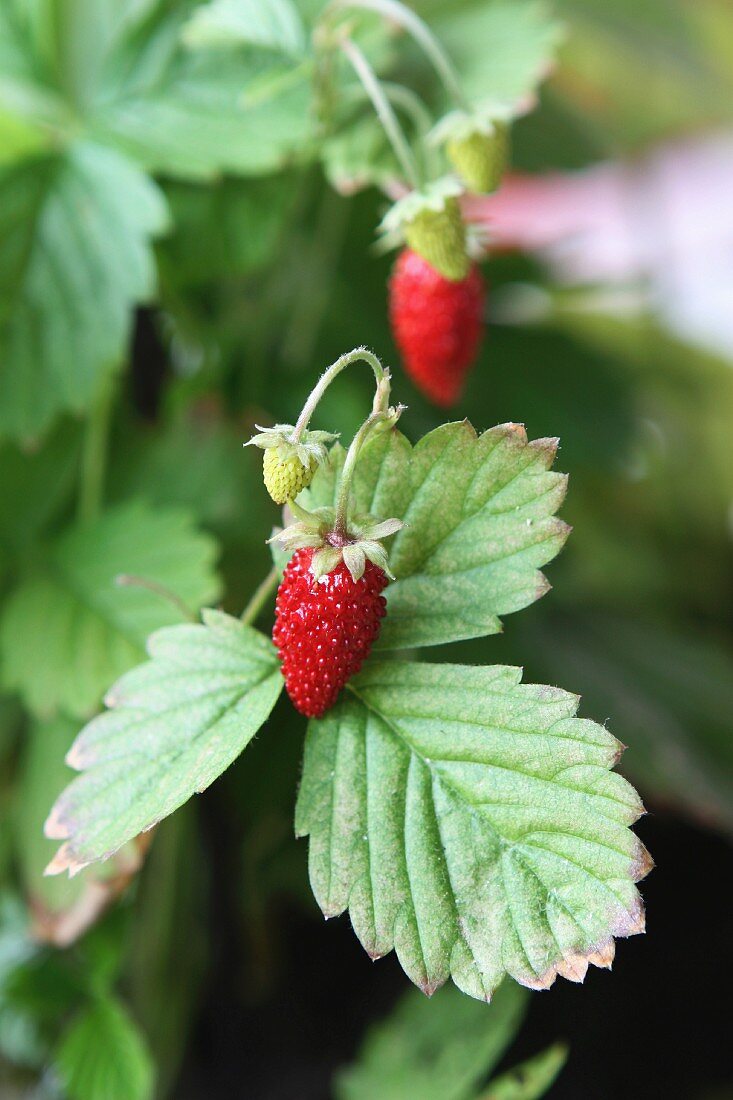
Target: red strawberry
437	325
325	629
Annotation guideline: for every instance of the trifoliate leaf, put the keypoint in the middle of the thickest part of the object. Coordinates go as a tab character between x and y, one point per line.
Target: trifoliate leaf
174	725
471	823
103	1056
530	1080
70	629
437	1049
479	515
274	26
74	259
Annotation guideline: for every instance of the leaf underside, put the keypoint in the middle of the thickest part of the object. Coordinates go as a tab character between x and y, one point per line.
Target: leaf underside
480	523
174	725
471	823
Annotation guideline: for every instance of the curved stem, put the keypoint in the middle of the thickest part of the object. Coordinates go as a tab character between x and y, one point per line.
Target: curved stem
340	527
414	25
413	106
381	377
384	110
260	596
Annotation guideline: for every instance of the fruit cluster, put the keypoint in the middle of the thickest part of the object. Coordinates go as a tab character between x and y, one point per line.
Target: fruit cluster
436	293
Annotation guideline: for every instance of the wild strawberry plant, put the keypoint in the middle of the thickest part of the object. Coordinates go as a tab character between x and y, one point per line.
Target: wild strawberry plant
467	820
171	154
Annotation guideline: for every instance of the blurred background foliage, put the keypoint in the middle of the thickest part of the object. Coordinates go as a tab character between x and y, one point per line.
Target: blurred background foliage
180	253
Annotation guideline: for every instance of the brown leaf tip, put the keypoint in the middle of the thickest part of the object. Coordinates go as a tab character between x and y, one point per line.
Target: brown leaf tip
65	860
55	827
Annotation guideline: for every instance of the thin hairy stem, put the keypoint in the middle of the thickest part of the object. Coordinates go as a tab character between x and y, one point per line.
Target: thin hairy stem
385	112
415	26
381	377
260	596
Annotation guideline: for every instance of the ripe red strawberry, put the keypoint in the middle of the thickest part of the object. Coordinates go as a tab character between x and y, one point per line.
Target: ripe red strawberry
324	630
436	324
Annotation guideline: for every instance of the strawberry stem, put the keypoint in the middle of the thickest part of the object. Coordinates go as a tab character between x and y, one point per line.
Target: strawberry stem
377	416
260	596
381	377
385	113
415	26
412	105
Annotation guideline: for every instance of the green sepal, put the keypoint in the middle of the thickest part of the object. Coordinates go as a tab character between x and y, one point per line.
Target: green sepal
431	224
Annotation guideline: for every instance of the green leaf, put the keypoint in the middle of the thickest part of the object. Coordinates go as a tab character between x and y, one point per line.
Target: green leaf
74	260
480	522
530	1080
437	1049
194	114
275	26
471	823
32	114
501	49
174	725
103	1056
18	138
70	629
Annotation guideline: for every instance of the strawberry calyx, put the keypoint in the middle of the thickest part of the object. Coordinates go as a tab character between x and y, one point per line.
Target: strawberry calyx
460	125
476	143
360	543
429	221
306	446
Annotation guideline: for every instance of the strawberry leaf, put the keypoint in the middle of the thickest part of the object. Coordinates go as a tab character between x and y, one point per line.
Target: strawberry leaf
471	823
502	50
479	515
103	1056
74	256
441	1049
90	628
531	1079
273	26
174	725
193	113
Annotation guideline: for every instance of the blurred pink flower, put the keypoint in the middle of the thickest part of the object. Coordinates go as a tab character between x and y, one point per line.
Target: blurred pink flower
666	221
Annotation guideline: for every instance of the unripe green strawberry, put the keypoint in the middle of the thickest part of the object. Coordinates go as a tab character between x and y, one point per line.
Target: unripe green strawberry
286	477
439	236
480	159
291	458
